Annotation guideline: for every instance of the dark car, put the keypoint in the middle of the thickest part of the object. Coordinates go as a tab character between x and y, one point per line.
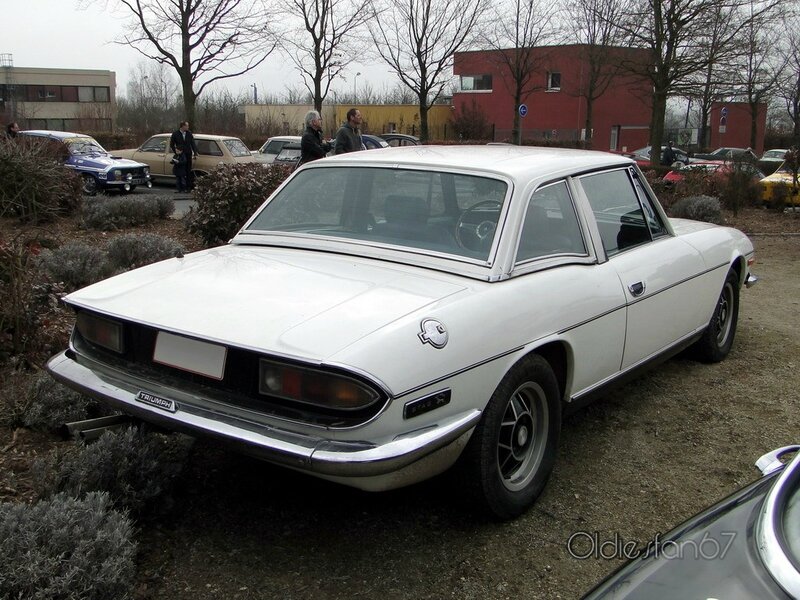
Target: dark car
373	142
747	546
642	156
400	139
727	154
289	155
98	169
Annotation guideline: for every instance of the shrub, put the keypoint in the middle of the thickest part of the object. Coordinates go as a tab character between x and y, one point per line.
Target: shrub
34	184
134	468
75	265
110	213
226	199
132	250
166	206
30	323
66	548
699	208
48	405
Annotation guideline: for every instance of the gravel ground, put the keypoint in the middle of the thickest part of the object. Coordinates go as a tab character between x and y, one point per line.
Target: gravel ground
630	466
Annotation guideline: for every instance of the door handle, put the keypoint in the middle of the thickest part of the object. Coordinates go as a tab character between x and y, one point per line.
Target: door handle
637	289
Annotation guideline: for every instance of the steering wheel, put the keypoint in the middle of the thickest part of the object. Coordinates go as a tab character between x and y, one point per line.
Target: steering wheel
474	236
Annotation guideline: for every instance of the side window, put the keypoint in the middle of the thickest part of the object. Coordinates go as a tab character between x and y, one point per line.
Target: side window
208	147
617	210
274	147
550	225
154	144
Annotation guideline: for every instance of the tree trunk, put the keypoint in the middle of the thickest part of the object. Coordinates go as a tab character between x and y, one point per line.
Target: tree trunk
588	123
657	125
516	130
423	118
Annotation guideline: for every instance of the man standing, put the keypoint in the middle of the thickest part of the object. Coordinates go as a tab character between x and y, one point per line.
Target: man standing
12	129
668	157
183	139
311	145
348	138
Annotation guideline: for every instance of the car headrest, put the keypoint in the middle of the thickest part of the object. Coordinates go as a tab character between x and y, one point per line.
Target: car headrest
410	210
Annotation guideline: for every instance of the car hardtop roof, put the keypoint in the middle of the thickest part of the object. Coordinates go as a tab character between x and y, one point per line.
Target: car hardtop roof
503	160
285	138
61	135
208	136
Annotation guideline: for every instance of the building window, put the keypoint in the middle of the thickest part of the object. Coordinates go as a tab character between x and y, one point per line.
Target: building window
476	83
93	94
553	81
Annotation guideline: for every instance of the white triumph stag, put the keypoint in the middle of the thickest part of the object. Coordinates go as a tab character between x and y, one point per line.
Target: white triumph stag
387	314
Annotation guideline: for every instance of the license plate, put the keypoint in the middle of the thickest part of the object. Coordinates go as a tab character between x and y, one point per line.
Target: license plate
190	355
138	180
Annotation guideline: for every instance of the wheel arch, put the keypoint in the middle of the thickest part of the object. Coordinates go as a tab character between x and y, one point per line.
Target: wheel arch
738	267
557	354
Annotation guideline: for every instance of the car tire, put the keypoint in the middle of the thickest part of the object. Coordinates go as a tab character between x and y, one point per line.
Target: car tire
512	451
88	184
717	339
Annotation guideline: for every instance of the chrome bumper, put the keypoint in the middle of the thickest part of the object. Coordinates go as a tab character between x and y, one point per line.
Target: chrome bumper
751	280
317	455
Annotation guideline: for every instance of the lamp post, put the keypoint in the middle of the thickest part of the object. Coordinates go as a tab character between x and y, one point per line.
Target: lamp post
355	88
255	93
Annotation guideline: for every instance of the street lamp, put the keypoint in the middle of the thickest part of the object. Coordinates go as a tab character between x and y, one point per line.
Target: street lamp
355	88
255	93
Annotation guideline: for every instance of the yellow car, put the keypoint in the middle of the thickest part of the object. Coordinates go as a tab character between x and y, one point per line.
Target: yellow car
778	185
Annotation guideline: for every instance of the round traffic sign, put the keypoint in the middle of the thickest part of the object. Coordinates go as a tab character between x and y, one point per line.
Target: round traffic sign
724	111
523	110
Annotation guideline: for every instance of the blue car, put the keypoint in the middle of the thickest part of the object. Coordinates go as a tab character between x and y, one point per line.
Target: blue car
99	170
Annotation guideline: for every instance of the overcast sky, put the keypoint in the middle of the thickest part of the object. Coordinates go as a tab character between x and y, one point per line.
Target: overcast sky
57	34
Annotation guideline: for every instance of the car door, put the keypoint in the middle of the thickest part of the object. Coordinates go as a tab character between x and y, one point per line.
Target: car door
663	278
209	155
154	153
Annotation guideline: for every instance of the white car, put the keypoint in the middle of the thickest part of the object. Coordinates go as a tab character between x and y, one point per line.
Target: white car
272	147
386	314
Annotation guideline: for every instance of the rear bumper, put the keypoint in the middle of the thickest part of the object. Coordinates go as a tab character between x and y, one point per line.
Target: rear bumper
318	455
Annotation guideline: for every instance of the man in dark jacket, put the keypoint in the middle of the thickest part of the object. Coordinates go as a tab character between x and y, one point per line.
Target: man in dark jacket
348	138
183	138
311	145
11	130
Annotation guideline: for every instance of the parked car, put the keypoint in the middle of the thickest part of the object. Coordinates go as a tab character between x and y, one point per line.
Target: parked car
727	154
719	170
272	147
746	546
98	168
771	160
778	186
642	156
385	314
289	154
373	142
400	139
213	151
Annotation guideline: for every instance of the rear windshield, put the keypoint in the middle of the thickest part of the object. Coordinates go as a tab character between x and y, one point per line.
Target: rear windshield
236	147
437	211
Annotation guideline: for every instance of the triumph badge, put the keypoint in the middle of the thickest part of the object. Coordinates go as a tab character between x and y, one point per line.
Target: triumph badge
433	333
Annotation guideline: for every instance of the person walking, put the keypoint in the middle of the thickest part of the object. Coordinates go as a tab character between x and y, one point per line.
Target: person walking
184	139
312	147
348	138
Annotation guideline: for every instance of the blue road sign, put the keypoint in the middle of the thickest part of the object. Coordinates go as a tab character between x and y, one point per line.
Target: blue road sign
724	111
523	110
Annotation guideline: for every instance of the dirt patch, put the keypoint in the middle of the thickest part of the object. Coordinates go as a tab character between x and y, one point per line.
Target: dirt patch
632	465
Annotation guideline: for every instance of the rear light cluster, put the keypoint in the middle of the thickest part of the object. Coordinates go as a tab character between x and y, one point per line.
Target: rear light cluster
100	331
312	386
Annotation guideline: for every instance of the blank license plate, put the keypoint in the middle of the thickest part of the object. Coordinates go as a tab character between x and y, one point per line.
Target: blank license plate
190	355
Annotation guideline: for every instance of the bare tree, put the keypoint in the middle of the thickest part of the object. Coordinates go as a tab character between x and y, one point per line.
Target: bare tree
593	23
789	83
519	27
418	38
203	40
676	33
325	42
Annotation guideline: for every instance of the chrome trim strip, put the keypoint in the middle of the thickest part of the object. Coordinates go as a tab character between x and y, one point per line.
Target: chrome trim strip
315	454
768	542
681	282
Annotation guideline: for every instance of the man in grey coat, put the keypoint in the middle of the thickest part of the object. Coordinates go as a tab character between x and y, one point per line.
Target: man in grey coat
348	138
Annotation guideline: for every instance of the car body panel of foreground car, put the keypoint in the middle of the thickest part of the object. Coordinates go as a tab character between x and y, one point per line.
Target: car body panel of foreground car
98	168
212	152
383	312
746	546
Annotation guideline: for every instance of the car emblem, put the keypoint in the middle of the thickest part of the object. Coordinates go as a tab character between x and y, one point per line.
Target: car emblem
433	333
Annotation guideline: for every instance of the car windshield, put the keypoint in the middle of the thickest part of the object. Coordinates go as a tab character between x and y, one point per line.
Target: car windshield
84	145
438	211
236	147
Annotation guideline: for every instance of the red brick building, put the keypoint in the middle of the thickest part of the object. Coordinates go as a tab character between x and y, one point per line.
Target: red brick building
730	124
556	108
